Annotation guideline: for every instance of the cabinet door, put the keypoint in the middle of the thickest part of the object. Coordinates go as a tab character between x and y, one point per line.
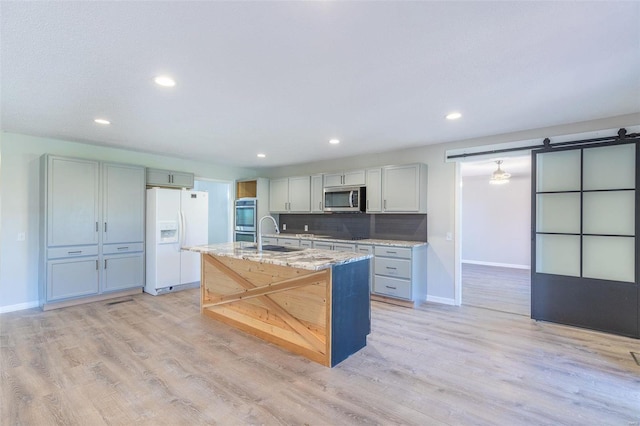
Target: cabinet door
374	190
300	194
354	178
72	202
123	192
182	180
73	277
123	272
279	195
158	177
333	179
401	188
317	194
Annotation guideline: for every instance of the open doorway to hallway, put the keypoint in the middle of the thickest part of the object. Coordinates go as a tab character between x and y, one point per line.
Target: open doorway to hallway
496	235
220	209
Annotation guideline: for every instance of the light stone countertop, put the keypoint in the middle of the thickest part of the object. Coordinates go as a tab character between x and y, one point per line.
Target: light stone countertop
305	258
370	241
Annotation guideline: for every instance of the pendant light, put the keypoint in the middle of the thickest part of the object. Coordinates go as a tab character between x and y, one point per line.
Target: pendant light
499	177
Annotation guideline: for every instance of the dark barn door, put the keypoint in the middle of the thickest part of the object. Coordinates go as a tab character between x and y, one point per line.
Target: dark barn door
585	246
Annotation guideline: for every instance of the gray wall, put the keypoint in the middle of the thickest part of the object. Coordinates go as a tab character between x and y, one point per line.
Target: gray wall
19	196
496	221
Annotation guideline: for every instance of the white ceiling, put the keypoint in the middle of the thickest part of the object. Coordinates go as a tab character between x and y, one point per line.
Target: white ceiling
283	78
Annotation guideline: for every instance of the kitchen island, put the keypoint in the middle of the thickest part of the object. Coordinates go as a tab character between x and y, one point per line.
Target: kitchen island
312	302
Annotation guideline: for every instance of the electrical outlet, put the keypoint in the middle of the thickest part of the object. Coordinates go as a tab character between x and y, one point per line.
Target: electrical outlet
306	228
284	226
449	236
21	236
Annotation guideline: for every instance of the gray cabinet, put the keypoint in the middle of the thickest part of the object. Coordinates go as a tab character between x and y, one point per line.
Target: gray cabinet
73	202
290	195
404	189
169	178
317	194
123	208
374	190
123	271
72	277
348	178
400	274
92	229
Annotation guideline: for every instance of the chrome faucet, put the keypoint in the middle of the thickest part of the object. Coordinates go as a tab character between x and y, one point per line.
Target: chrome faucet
260	230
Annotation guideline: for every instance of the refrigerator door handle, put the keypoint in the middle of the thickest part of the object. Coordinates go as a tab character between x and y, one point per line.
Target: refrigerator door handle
183	230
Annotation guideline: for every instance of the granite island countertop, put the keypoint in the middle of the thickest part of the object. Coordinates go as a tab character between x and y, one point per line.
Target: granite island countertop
303	258
369	241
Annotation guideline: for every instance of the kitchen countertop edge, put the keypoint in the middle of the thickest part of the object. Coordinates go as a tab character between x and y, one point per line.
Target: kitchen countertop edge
305	258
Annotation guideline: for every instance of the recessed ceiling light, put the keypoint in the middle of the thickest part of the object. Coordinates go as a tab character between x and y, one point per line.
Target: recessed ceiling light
101	121
165	81
453	116
334	141
262	155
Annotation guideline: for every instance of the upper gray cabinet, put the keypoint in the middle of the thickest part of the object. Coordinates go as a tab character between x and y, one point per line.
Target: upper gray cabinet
374	190
404	189
123	189
73	202
290	195
348	178
169	179
317	194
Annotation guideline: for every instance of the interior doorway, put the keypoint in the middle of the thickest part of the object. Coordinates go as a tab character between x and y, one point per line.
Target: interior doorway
495	235
220	209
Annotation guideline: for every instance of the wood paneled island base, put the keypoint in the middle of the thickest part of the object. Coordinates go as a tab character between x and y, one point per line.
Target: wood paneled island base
323	315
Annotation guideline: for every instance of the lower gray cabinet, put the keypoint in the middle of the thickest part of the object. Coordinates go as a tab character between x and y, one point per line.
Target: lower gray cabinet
400	273
123	271
74	277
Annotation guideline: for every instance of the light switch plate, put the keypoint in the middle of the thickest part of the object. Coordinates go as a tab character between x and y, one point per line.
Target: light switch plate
449	236
306	228
284	226
21	236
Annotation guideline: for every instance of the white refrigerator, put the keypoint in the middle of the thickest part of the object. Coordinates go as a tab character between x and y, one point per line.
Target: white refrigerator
175	219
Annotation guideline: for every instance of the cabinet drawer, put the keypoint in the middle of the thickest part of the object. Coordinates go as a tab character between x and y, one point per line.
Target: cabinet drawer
288	242
122	248
400	268
322	246
306	243
344	247
269	241
61	252
392	287
365	249
404	253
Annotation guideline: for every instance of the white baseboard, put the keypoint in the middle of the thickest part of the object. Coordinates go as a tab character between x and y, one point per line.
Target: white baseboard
19	307
441	300
501	265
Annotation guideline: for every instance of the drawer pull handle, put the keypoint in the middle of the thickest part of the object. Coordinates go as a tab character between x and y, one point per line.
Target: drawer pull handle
392	288
75	252
391	267
392	252
123	248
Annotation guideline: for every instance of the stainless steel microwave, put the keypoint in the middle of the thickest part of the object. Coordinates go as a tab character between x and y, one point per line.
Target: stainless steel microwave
345	199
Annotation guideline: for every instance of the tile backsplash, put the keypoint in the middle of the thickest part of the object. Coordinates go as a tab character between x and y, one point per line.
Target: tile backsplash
408	227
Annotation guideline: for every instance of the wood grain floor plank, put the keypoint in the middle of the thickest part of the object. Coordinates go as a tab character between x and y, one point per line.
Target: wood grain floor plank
156	360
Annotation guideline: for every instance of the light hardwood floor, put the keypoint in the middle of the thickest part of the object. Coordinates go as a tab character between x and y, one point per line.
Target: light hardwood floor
156	360
500	289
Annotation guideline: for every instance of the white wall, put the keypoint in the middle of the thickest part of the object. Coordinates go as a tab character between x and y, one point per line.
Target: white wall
496	221
441	188
19	207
